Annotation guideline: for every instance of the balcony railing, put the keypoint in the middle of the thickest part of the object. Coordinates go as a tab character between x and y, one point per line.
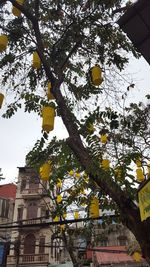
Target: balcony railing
28	258
33	191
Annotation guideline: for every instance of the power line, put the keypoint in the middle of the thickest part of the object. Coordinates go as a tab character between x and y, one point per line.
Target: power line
45	224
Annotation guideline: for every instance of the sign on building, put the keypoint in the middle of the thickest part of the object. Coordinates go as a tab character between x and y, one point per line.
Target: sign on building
144	200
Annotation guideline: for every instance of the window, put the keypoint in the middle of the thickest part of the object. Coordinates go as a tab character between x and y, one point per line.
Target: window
4	208
23	185
20	214
29	244
41	245
33	182
32	210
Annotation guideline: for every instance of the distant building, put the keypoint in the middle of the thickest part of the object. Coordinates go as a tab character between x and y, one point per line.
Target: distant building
33	244
7	202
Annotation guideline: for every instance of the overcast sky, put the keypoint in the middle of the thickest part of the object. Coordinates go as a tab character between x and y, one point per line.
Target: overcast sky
18	134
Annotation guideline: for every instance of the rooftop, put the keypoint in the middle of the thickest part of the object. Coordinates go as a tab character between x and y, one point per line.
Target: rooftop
8	191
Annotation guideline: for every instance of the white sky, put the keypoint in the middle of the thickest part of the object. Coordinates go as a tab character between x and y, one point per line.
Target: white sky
19	133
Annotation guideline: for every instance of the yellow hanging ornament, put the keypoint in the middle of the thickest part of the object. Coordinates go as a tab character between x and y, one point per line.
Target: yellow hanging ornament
118	172
77	175
94	208
96	75
62	227
137	256
64	215
71	173
16	12
1	99
59	199
3	42
138	163
105	164
56	219
76	215
139	175
103	138
49	94
48	114
36	63
59	183
45	171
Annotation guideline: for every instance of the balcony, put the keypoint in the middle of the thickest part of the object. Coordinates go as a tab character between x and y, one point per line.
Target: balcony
30	259
33	193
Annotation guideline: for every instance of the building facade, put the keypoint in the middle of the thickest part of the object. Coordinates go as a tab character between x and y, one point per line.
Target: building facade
7	202
32	243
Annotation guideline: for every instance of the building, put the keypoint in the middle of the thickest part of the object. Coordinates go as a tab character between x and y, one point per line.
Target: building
32	243
7	202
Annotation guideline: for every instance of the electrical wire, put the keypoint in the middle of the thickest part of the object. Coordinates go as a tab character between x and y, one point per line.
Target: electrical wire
45	224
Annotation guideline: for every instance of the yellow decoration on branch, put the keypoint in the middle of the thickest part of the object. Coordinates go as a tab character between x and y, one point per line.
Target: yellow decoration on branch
105	164
16	12
59	183
64	215
1	99
104	138
48	114
77	175
76	215
139	175
49	94
137	256
45	171
36	63
59	199
56	219
148	168
96	75
71	173
3	42
138	163
94	208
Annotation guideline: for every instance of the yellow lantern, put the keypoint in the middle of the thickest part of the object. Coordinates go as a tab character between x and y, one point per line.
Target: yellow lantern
59	199
139	175
94	208
49	94
56	219
96	75
48	114
45	171
1	99
137	256
77	175
62	227
76	215
16	12
64	215
105	164
118	172
3	42
71	173
104	138
59	183
138	163
36	63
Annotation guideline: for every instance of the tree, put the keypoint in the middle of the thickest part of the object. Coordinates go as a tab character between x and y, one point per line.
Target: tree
69	38
1	175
